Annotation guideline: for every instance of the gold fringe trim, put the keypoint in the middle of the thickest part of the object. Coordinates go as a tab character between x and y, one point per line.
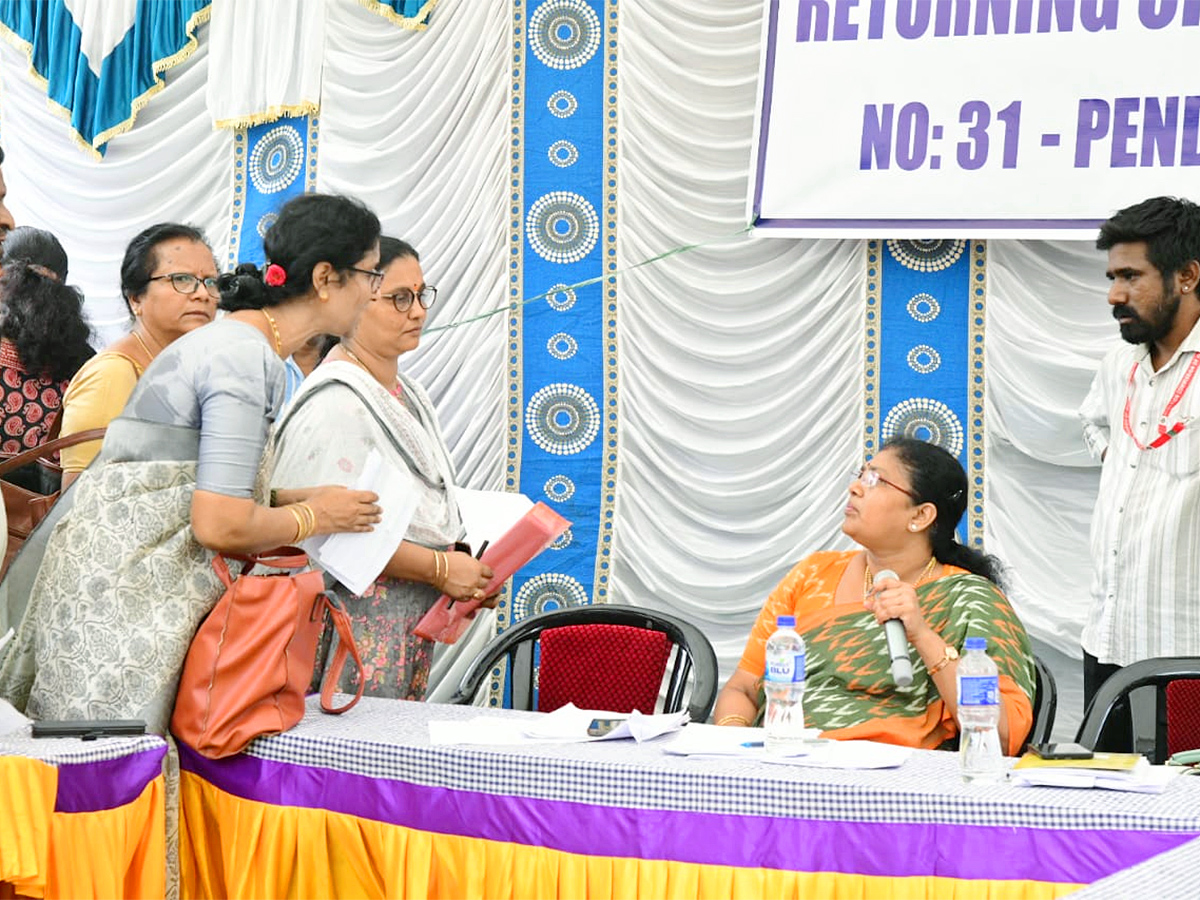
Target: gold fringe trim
139	103
419	22
270	114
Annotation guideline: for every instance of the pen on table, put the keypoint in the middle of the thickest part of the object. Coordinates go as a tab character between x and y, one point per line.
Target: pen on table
753	744
478	555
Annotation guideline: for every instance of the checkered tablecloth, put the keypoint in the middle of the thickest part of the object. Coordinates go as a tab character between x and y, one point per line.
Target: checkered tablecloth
61	751
386	739
1168	876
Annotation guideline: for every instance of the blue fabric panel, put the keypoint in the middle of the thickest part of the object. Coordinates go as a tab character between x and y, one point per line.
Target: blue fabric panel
100	107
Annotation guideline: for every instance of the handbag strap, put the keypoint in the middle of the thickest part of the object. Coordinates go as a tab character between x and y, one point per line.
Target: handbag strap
345	647
49	447
276	558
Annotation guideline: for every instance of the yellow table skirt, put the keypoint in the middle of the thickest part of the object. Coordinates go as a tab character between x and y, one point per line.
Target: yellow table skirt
232	847
108	853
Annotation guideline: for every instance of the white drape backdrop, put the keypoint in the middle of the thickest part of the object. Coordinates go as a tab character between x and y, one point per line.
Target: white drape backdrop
740	363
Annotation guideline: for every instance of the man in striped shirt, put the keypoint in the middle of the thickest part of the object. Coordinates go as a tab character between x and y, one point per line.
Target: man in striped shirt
1142	418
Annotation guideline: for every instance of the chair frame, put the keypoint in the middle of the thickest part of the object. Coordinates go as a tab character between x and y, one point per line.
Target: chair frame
1157	672
693	655
1045	703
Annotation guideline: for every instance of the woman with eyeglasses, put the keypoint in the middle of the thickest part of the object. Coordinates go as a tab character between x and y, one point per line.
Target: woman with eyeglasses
119	575
360	395
169	282
903	508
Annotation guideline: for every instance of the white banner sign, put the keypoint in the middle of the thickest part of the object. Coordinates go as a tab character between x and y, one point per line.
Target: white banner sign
973	118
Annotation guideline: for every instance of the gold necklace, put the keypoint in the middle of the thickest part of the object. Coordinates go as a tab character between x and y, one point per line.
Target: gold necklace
274	331
925	573
354	359
137	337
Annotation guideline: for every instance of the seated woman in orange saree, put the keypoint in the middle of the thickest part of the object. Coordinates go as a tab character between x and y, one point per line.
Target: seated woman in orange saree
902	509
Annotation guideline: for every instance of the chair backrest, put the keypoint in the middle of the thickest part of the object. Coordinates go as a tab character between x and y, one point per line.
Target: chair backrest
1183	727
1045	703
692	656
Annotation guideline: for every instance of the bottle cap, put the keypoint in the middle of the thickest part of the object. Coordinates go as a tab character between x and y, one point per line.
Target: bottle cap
975	643
786	622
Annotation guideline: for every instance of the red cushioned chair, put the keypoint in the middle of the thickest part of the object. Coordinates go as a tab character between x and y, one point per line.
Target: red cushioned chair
602	656
1178	681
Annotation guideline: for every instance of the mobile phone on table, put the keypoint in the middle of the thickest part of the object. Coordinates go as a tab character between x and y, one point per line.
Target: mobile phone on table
601	727
88	729
1061	751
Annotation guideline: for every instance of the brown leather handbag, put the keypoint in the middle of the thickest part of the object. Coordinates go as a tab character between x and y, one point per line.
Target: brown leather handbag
31	482
251	661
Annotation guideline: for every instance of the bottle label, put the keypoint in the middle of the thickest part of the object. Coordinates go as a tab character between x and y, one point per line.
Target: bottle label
789	667
978	690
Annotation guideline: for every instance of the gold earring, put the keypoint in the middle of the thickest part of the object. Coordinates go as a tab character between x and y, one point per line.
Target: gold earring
324	295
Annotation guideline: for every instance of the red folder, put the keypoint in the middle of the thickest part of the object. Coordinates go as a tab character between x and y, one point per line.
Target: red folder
532	534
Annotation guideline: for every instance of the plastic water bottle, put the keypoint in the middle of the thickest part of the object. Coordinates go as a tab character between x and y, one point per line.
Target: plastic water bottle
783	684
979	714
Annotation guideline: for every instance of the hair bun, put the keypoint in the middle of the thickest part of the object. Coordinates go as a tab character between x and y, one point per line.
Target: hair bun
242	288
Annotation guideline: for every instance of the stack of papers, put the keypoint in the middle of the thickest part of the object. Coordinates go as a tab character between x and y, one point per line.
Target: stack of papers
568	725
747	744
1110	771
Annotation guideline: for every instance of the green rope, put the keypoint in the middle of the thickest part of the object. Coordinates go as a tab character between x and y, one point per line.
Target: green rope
675	251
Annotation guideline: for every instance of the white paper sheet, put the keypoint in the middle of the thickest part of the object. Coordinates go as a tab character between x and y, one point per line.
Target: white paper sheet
6	637
567	725
11	720
489	514
745	743
1142	779
356	558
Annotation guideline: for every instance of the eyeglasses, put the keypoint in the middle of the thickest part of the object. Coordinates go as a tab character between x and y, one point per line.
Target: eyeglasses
374	276
186	283
403	298
868	478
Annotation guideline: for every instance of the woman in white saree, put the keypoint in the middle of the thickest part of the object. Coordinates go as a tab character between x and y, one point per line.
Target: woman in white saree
357	401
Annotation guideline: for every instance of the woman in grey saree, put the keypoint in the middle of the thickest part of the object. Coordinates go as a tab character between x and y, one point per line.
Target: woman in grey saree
112	586
359	396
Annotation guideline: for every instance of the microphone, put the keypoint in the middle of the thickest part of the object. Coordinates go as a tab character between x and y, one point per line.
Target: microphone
897	640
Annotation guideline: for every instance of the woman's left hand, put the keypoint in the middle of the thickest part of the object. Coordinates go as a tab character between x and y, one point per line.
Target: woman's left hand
892	598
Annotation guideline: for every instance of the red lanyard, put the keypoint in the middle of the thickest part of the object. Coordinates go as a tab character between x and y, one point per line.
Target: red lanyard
1164	433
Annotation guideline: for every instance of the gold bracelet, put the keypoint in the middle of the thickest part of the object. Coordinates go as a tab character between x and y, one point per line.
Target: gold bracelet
311	515
299	523
445	569
725	720
949	655
438	578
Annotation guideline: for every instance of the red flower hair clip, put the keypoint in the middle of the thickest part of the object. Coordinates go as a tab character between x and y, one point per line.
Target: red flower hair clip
276	275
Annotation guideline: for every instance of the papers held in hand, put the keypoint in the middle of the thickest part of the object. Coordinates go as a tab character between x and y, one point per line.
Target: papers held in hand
532	534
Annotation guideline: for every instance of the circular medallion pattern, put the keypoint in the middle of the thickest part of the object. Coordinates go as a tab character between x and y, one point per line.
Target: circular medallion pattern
928	255
562	227
545	592
562	345
561	297
265	223
562	418
563	154
924	307
563	541
276	159
564	34
925	419
559	488
924	359
562	104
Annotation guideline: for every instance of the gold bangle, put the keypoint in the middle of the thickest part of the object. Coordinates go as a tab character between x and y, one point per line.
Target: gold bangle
725	720
311	515
299	523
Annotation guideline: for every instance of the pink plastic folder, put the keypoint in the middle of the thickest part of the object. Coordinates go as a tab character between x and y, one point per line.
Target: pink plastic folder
532	534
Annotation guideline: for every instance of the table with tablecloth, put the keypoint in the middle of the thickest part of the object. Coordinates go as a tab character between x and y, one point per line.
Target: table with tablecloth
82	818
366	805
1174	875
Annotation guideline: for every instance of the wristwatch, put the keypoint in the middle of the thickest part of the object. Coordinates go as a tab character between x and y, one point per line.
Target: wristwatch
951	655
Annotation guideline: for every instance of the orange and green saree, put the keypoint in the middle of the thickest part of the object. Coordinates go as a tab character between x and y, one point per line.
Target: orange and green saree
849	691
